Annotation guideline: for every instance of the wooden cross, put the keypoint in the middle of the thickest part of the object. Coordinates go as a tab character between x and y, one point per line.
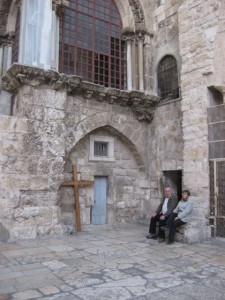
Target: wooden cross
75	183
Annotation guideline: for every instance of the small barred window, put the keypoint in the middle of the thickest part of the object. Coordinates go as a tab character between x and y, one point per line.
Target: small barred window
100	149
168	87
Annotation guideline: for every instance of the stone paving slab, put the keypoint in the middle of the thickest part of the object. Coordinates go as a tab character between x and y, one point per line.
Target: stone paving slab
111	262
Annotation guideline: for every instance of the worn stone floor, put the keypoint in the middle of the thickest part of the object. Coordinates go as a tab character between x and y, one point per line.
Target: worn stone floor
111	262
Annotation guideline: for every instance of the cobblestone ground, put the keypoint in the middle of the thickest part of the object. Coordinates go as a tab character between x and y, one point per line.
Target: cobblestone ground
111	262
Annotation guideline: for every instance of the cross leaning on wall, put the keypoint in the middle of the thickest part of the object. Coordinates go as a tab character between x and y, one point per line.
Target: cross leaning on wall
76	184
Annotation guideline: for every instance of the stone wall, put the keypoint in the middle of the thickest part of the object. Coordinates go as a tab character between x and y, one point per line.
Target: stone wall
198	23
166	29
26	203
55	127
57	133
165	147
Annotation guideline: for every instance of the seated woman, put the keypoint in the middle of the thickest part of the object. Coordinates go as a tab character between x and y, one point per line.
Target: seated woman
180	216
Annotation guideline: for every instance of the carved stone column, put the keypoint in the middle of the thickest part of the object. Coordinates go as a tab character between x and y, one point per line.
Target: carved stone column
1	60
6	42
57	10
128	34
140	36
55	41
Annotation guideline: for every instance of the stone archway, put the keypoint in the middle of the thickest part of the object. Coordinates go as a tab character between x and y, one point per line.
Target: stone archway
133	132
124	175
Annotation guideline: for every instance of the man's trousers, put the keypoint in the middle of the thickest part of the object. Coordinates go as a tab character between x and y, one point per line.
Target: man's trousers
173	225
152	226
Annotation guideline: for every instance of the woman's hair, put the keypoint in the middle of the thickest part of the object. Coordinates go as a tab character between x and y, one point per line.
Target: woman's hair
186	192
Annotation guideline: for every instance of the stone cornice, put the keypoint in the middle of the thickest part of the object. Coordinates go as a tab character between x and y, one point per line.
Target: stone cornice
141	104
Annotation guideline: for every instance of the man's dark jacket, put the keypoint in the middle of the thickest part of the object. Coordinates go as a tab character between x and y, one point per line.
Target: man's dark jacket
171	205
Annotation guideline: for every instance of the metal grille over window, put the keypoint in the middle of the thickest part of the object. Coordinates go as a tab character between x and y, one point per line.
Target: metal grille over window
168	87
100	149
91	43
15	49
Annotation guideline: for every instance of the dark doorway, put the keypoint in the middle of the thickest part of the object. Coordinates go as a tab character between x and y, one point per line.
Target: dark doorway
174	179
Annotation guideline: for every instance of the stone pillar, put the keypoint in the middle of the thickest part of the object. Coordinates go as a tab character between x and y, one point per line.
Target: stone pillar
57	7
9	57
148	64
129	36
134	65
1	60
54	58
36	30
140	38
5	63
129	65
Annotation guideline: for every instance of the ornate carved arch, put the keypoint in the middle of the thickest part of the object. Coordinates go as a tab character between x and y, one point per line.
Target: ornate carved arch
135	9
137	12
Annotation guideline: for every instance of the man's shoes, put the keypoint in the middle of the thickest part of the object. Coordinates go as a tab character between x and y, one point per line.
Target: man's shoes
161	240
164	228
151	236
169	242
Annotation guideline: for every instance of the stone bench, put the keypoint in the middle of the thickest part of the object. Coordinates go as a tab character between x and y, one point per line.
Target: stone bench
193	232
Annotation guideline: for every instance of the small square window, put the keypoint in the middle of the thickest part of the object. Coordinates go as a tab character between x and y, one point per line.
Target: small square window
100	149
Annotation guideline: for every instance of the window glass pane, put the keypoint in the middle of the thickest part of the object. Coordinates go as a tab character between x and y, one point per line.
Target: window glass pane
168	78
100	149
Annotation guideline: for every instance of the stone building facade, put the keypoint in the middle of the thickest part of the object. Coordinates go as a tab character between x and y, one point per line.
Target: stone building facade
50	121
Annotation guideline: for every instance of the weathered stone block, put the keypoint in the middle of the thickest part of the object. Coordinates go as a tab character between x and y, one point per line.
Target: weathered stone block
23	233
193	232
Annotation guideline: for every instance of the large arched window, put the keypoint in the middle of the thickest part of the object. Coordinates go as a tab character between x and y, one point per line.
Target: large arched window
168	87
91	43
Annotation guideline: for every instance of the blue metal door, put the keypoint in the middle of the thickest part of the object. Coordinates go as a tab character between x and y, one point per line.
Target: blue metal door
98	212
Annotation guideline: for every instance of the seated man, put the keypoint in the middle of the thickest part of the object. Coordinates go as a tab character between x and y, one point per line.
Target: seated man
180	216
163	211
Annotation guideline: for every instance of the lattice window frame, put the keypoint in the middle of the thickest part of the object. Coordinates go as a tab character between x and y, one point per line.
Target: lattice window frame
91	44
